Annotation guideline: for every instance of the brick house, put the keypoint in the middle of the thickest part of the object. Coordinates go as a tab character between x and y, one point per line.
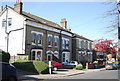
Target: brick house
36	37
25	34
83	52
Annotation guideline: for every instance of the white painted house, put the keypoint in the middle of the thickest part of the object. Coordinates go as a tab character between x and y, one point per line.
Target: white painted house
15	26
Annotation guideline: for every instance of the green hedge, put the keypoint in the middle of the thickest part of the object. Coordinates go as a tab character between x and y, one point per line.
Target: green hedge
79	67
4	56
31	66
20	60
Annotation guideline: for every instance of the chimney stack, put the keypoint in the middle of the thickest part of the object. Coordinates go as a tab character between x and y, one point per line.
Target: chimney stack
69	29
18	6
63	23
1	8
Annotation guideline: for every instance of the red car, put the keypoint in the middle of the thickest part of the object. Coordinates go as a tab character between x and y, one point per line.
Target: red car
55	65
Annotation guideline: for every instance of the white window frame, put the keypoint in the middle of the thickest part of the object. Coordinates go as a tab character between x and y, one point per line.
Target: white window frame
9	21
3	23
41	39
36	50
80	43
85	44
37	33
56	39
33	43
67	42
89	45
50	41
64	43
66	57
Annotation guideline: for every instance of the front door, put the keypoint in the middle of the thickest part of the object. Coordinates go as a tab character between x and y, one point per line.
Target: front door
49	56
36	54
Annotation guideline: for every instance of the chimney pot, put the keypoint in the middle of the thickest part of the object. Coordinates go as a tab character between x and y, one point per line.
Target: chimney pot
18	6
63	23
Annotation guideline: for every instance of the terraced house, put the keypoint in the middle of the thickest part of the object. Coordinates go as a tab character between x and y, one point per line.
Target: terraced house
24	34
82	49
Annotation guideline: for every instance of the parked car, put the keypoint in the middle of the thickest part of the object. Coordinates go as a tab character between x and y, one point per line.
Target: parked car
109	66
9	72
55	65
73	63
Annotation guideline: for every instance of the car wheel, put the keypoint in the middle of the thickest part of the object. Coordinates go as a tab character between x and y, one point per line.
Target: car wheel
12	79
55	68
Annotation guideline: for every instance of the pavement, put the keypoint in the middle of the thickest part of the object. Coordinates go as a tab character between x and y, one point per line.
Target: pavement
22	75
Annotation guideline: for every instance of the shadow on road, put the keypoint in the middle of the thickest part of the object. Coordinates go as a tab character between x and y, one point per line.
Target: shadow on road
22	76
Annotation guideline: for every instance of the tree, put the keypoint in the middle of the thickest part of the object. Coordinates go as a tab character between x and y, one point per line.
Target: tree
111	16
118	56
105	46
4	56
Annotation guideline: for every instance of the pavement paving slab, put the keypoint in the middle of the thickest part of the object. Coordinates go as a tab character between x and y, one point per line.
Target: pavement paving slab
22	75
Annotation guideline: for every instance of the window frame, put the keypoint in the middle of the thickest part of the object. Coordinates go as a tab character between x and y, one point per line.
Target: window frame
3	23
40	39
34	39
9	21
50	40
56	41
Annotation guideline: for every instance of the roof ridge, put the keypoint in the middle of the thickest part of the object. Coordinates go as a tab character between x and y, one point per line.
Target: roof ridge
40	19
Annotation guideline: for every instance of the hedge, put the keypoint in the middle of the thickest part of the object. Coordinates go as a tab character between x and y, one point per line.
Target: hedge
4	56
32	66
79	67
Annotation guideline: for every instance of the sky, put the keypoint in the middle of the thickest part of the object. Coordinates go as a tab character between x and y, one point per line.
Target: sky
84	18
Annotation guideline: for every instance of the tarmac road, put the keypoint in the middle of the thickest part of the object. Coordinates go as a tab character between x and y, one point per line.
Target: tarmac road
108	74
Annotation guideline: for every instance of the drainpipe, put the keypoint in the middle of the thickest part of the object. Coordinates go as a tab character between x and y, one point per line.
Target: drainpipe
6	27
8	33
46	45
60	46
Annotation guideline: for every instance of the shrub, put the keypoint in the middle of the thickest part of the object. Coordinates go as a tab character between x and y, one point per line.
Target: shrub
116	62
79	67
20	60
31	66
4	56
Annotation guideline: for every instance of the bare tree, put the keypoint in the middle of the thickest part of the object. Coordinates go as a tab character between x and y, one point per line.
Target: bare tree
111	16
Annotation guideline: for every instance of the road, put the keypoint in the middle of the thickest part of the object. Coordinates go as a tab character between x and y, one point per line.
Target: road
108	74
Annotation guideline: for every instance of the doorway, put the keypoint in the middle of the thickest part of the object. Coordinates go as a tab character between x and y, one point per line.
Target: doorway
36	54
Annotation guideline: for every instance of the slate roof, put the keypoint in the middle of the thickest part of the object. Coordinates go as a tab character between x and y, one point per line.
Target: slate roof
36	18
79	36
47	22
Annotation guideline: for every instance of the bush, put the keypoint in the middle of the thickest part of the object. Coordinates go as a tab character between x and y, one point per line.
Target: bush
20	60
31	66
4	56
79	67
116	62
